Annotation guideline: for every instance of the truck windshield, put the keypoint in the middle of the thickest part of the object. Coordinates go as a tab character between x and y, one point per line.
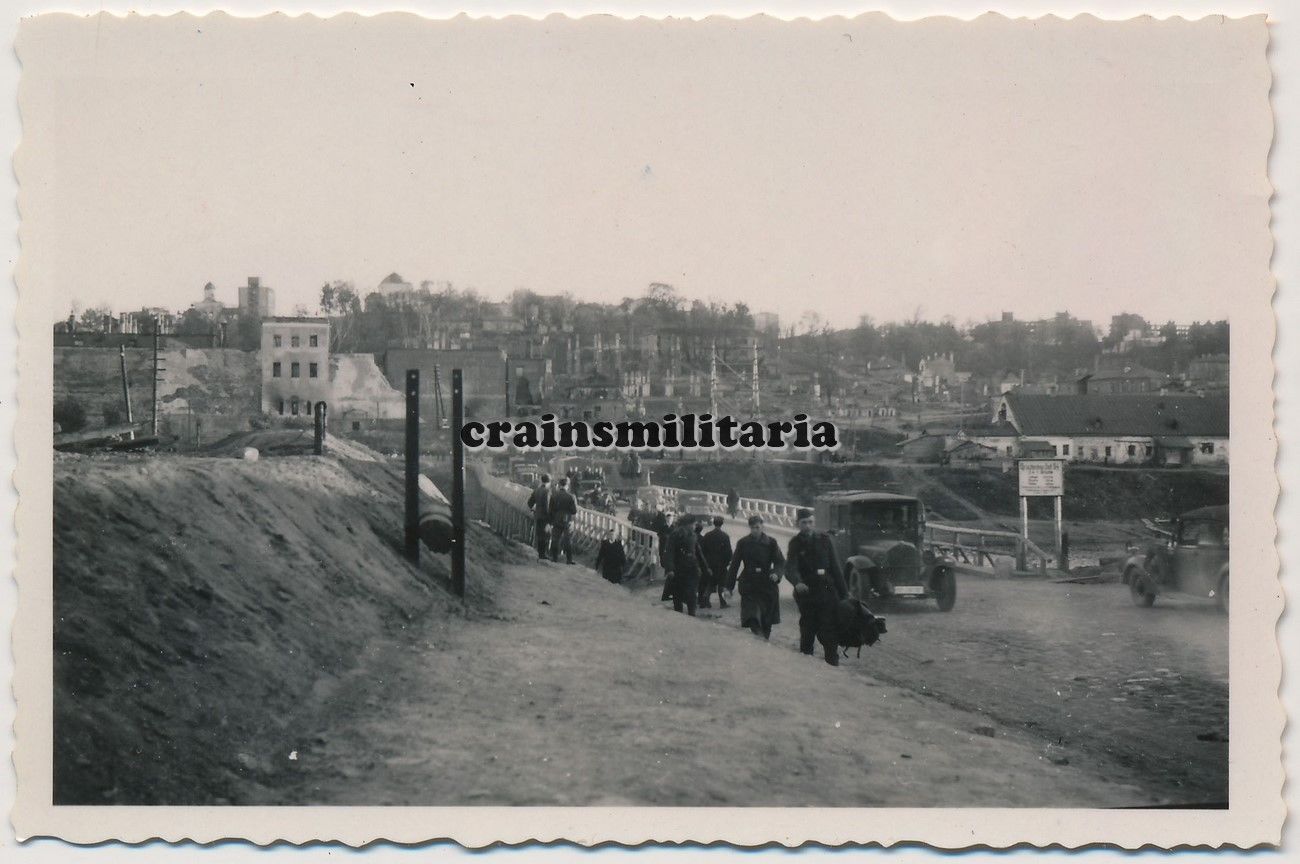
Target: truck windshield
893	520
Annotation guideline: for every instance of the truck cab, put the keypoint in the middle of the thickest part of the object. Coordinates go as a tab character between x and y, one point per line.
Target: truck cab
880	537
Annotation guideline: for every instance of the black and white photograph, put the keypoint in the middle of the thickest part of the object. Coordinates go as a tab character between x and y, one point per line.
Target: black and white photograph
647	417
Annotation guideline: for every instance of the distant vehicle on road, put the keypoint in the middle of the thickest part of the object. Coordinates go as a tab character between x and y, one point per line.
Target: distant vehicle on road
694	503
881	538
1192	559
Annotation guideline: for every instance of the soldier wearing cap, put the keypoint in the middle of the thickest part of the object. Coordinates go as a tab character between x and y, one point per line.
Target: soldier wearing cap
819	585
760	595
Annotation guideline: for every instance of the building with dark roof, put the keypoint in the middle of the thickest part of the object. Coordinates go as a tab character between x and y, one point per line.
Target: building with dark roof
1122	428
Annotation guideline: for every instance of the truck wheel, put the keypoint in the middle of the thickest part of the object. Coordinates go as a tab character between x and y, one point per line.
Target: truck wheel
1137	590
1222	594
945	590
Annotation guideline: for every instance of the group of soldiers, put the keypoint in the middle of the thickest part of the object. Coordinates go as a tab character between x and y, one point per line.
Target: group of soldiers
553	512
698	563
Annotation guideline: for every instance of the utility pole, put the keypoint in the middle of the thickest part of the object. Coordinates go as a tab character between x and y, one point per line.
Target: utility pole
753	378
507	386
713	378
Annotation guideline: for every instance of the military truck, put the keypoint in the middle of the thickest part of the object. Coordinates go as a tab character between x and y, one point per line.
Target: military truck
880	537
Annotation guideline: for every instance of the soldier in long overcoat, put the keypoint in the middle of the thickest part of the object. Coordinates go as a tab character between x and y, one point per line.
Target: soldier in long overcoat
760	579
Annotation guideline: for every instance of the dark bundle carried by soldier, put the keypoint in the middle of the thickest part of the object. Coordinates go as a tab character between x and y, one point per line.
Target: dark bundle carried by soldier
819	585
759	562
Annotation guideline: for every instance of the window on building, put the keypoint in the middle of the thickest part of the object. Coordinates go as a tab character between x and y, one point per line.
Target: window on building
295	341
1009	449
281	407
311	370
1065	449
306	408
293	406
275	370
1150	448
295	370
277	340
1107	452
313	341
1207	448
1132	449
1093	452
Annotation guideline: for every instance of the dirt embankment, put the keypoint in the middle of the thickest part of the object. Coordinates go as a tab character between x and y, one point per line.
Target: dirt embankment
203	604
1094	493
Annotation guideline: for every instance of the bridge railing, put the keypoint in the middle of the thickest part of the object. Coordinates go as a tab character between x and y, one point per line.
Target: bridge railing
773	512
505	508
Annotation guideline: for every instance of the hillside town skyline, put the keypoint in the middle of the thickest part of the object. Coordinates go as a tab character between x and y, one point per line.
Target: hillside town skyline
299	300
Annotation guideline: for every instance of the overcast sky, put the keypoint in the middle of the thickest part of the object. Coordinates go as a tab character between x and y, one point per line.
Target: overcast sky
860	167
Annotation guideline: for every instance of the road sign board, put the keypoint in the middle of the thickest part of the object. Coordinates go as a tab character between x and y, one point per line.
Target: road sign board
1042	477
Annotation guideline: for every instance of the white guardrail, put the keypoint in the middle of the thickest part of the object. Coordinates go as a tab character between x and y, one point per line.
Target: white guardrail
773	512
505	508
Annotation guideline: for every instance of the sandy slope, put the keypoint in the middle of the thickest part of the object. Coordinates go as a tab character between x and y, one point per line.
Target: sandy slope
199	602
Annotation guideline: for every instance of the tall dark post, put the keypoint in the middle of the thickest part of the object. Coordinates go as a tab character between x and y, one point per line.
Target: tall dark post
126	389
319	447
413	465
457	485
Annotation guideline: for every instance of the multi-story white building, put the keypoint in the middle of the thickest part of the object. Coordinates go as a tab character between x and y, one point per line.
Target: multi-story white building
295	365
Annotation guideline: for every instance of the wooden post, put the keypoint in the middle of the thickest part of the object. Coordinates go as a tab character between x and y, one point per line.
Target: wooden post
457	485
1060	557
1022	551
412	536
319	447
126	389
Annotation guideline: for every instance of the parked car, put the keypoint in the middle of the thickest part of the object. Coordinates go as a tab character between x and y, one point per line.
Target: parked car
881	538
1191	559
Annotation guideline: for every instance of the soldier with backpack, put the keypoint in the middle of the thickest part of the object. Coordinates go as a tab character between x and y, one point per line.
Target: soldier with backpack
540	503
814	571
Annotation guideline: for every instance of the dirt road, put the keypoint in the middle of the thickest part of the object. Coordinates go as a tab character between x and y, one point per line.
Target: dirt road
1102	683
1110	687
577	692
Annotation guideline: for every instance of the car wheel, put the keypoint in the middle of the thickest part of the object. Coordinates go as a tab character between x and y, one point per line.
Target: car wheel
1222	594
1137	590
945	590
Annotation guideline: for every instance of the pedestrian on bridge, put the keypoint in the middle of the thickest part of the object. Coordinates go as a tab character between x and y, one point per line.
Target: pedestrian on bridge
733	502
717	551
687	562
819	585
540	503
611	557
760	596
564	507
